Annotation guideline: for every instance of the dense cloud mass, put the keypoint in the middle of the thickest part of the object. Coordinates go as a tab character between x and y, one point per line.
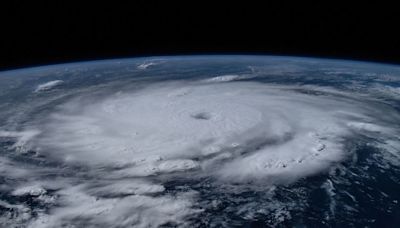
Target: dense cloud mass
110	159
216	129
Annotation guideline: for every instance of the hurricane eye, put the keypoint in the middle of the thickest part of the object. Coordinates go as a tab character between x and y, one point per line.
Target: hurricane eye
201	116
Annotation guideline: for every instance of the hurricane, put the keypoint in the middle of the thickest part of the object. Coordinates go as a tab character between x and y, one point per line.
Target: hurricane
274	142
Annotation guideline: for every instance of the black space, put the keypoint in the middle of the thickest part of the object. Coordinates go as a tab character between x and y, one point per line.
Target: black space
53	32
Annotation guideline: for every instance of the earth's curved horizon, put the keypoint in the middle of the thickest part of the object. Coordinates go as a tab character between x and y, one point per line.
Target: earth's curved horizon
201	141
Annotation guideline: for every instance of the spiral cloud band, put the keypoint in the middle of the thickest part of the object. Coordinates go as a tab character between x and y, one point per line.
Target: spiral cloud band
216	129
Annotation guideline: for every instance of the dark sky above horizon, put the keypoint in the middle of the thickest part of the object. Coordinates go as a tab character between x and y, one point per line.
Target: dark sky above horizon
33	34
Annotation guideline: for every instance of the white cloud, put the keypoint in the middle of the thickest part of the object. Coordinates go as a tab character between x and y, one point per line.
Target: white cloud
34	190
146	65
48	85
81	209
149	63
22	138
225	78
